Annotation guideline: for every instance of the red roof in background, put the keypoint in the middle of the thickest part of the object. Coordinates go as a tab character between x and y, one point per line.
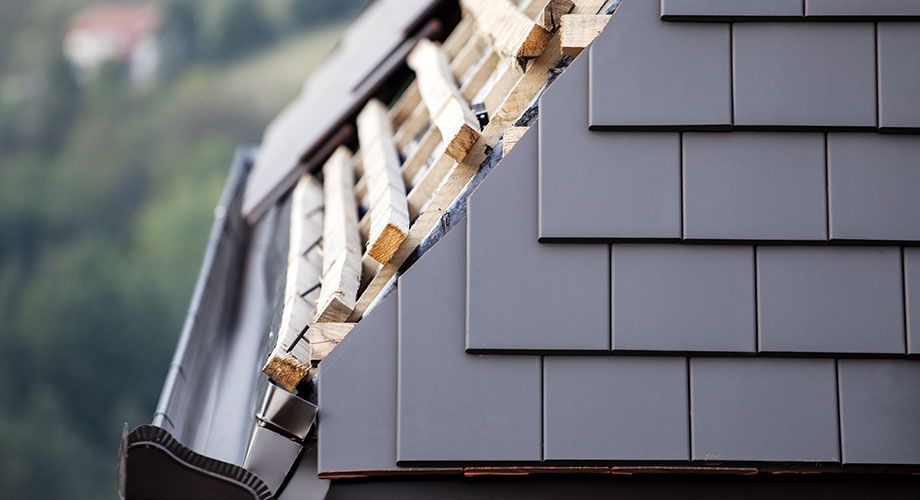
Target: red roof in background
130	22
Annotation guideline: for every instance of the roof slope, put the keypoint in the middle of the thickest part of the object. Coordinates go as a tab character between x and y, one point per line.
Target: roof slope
705	256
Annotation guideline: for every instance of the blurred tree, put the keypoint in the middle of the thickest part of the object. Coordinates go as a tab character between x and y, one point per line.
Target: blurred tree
180	36
316	12
242	28
56	111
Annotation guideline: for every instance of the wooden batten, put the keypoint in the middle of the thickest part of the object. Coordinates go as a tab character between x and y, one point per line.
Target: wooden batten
511	137
510	31
341	241
448	109
289	361
579	30
389	215
323	337
551	17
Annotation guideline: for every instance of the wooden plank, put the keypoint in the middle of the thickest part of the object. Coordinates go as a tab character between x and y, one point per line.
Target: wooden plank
323	337
289	361
405	105
448	109
509	30
428	184
463	31
551	17
389	215
479	76
526	90
341	241
416	160
467	57
511	137
411	128
579	30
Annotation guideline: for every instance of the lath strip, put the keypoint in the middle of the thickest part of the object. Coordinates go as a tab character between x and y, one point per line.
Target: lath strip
341	241
389	215
289	361
511	32
449	110
579	30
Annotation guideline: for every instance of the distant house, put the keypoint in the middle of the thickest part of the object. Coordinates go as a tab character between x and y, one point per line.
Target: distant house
121	33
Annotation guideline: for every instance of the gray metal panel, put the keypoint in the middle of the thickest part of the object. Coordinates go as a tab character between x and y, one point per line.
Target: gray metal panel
647	73
357	396
452	405
521	294
683	298
602	184
879	408
874	181
898	67
764	409
613	408
912	298
754	185
862	8
830	299
804	74
731	9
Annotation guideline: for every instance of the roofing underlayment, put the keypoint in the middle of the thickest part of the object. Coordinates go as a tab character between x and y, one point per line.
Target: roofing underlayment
695	251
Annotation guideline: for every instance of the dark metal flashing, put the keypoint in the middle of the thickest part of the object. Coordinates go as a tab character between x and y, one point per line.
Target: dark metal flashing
157	467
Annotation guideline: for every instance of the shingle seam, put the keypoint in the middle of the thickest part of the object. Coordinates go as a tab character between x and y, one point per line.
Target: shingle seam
905	304
878	80
757	319
839	398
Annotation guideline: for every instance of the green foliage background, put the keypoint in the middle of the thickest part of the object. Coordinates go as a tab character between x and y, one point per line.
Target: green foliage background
106	197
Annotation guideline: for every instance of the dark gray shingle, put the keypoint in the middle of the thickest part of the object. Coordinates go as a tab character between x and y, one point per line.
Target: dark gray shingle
830	299
616	408
731	9
862	8
804	74
523	294
647	73
754	185
874	181
912	297
452	405
683	298
603	184
357	396
879	405
898	67
764	409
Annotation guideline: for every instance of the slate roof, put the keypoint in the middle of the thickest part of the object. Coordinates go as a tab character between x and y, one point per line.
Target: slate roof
703	254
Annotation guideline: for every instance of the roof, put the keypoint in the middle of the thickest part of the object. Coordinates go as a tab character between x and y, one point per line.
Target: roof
695	251
700	256
129	23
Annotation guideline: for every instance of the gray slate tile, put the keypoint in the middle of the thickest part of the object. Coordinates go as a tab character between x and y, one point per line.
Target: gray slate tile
804	74
830	299
357	396
754	185
649	73
912	297
683	298
455	406
616	408
764	409
731	9
602	184
862	8
879	408
874	181
898	67
523	294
